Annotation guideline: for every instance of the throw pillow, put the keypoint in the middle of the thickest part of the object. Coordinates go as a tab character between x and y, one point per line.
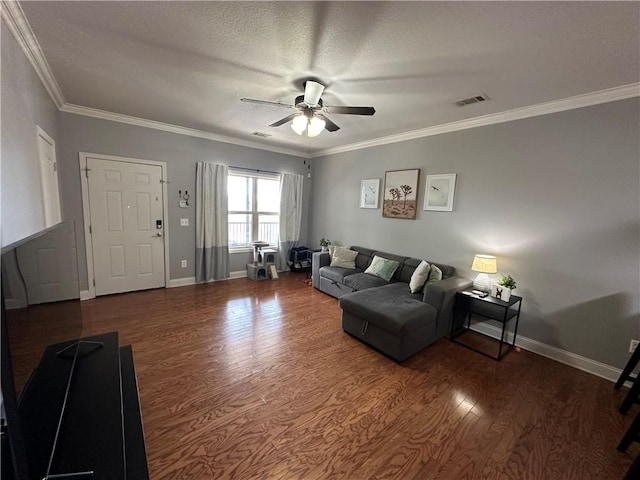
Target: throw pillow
419	277
382	267
435	274
343	257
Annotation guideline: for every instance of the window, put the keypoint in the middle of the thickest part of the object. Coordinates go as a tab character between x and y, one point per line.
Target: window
254	209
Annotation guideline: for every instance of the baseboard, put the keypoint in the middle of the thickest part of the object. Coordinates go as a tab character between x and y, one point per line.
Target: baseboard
559	355
86	295
181	282
238	274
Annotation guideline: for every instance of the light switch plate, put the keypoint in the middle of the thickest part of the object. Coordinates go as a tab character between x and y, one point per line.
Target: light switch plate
184	222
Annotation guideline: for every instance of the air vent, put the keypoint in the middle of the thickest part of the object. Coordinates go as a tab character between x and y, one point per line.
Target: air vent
470	100
261	134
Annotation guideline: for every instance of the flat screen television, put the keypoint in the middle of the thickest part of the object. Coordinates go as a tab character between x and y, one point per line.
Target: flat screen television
40	311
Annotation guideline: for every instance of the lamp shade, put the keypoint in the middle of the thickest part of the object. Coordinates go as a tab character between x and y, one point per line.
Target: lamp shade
485	264
299	124
316	125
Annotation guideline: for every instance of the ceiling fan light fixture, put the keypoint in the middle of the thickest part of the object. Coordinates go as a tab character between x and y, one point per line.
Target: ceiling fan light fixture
299	124
316	125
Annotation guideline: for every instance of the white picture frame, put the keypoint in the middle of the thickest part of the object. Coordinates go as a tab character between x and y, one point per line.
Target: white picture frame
440	192
369	193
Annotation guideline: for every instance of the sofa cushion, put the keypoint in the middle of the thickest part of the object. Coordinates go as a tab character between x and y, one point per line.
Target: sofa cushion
337	274
419	277
343	257
382	267
390	310
361	281
364	257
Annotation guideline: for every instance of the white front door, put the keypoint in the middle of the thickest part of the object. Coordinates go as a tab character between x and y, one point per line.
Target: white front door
127	230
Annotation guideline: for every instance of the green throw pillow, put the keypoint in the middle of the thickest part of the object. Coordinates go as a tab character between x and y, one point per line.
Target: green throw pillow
382	267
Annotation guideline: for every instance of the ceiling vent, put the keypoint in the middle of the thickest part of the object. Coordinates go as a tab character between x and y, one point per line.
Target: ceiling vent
470	100
261	134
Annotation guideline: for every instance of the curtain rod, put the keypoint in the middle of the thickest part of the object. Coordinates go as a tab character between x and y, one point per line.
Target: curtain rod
255	170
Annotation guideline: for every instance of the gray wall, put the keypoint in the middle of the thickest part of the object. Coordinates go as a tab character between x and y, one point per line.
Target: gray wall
556	198
181	153
25	104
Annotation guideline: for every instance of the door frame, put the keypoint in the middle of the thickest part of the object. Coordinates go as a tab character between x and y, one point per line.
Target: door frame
84	182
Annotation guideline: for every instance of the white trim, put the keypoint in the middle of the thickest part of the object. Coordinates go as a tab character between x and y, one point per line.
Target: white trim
87	221
181	282
238	274
554	353
167	127
21	30
555	106
86	295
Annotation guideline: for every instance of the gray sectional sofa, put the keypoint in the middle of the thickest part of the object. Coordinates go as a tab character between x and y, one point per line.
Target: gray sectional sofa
385	314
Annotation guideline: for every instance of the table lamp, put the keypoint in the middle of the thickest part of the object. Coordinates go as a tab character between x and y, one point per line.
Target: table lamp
484	264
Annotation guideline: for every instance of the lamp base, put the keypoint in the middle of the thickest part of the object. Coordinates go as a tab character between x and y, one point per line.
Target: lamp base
482	282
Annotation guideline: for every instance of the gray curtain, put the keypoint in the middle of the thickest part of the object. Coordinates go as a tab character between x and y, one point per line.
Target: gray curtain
290	216
212	228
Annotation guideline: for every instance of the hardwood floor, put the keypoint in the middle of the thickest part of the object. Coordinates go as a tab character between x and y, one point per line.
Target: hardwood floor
256	380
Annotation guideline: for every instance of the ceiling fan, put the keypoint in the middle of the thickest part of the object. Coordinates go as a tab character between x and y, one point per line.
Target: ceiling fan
310	119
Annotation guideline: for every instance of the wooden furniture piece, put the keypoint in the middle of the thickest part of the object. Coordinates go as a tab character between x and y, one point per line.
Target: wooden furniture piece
487	308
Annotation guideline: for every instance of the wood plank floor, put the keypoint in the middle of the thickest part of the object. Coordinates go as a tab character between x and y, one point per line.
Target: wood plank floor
256	380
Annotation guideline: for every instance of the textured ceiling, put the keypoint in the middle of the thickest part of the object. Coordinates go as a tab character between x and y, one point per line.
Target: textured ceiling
189	63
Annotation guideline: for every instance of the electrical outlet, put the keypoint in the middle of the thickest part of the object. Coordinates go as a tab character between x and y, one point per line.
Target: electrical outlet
633	345
183	263
184	222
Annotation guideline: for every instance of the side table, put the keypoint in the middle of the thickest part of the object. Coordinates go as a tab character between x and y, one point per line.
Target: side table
487	308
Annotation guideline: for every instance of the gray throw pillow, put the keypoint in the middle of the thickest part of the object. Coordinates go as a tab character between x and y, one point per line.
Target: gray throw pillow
435	274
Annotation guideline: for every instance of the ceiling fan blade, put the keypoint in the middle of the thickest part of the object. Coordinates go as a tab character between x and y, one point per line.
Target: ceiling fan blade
329	125
284	120
351	110
312	92
264	102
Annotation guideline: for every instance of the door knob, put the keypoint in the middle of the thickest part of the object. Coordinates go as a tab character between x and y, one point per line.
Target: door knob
159	234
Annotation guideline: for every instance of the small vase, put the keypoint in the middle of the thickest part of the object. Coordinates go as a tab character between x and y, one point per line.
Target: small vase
325	248
500	292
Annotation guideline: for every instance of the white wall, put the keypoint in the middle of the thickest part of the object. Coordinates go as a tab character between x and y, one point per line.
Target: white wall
556	198
25	104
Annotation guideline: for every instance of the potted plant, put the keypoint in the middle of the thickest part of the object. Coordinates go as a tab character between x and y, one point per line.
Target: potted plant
502	288
324	243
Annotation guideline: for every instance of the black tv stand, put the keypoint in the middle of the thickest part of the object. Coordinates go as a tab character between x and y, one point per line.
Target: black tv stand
79	344
100	436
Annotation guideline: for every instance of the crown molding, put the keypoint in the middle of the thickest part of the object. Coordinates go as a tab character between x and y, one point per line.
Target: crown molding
555	106
17	23
19	26
167	127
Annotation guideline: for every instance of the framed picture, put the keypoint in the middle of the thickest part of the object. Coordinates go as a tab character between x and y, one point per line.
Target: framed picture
440	191
369	193
400	199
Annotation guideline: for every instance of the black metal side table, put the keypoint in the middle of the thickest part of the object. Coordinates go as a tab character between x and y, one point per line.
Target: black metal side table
487	308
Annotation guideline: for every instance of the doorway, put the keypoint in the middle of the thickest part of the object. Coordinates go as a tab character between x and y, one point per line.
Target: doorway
125	210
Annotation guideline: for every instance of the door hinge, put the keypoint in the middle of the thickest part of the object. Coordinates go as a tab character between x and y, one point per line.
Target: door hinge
90	231
94	282
164	181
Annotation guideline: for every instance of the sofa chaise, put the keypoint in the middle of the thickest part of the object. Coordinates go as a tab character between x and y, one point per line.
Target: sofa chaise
384	314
